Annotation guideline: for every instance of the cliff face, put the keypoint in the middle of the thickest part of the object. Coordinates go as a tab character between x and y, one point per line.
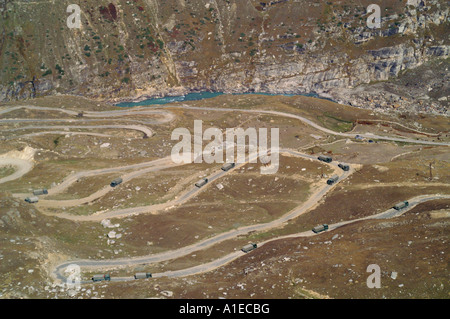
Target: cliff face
139	48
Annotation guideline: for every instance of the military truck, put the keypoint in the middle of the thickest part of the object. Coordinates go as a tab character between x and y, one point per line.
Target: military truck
38	192
319	229
401	205
249	247
332	180
116	182
326	159
344	167
201	182
32	200
228	166
106	277
142	275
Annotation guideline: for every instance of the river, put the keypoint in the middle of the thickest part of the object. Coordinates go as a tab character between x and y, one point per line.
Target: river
197	97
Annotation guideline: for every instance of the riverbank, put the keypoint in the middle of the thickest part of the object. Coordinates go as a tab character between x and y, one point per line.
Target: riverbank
197	96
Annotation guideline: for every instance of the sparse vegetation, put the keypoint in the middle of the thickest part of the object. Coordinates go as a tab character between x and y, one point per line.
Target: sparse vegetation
141	48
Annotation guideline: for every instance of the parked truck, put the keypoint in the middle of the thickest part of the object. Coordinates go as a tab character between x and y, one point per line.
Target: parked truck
344	167
142	275
228	166
249	247
326	159
332	180
38	192
319	229
105	277
401	205
201	182
32	200
116	182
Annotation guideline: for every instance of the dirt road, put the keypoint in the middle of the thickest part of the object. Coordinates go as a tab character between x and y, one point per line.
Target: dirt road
390	213
305	207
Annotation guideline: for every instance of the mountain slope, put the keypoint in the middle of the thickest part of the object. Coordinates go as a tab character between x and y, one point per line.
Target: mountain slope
127	49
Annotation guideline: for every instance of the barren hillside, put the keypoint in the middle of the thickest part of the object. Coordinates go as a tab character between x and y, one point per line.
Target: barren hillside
138	48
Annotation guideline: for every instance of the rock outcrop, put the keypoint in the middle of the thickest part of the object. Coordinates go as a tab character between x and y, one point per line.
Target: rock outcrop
135	49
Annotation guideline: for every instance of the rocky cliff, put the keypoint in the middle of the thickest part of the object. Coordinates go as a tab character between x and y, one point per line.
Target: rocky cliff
141	48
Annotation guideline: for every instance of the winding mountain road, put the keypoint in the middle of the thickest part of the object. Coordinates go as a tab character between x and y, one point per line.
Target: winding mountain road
21	167
126	212
167	116
164	163
220	262
139	128
313	124
305	207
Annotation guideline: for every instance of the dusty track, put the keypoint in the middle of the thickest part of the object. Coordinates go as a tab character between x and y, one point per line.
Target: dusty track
22	167
102	114
139	128
390	213
122	213
316	126
305	207
22	161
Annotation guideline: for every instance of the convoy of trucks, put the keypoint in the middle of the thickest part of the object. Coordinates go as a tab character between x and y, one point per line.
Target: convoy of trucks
107	277
34	199
201	183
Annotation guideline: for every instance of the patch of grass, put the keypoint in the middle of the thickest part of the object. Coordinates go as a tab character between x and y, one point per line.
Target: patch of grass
48	72
336	124
6	171
56	141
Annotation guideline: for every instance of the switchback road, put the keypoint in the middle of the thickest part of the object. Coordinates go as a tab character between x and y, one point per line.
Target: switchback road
390	213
